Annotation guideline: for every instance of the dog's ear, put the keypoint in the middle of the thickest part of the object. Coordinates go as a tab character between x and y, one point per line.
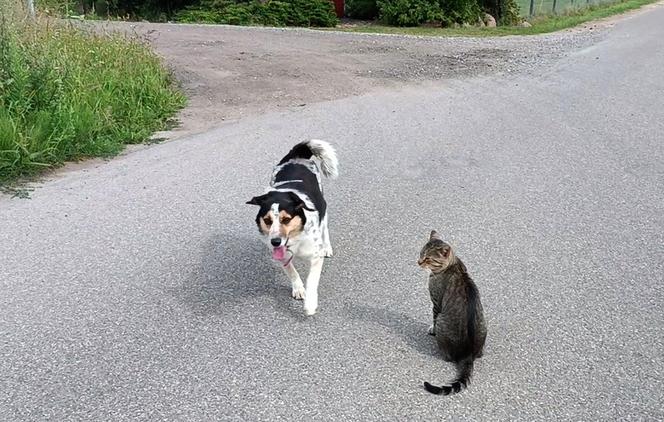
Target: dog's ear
257	200
434	235
300	203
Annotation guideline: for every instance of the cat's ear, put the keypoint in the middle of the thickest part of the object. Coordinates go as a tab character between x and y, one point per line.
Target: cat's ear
434	235
257	200
445	251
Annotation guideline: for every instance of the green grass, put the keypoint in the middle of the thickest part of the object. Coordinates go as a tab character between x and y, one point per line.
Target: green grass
67	94
540	25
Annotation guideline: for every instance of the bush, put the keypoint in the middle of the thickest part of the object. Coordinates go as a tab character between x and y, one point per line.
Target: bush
409	12
67	94
506	12
362	9
416	12
460	11
155	10
509	13
238	14
195	15
272	13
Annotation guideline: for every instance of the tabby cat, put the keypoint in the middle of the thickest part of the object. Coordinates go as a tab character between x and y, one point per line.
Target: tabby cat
458	321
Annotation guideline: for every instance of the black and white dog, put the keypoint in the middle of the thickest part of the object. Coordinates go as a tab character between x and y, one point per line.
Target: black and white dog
293	214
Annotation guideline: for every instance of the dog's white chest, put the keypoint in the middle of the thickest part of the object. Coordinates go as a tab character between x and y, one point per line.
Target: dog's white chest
310	242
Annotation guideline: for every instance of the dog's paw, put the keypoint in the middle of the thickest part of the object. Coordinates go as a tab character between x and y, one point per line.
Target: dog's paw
309	310
327	252
431	331
310	304
298	293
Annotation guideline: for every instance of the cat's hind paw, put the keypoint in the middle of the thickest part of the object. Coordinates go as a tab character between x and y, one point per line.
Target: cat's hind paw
431	331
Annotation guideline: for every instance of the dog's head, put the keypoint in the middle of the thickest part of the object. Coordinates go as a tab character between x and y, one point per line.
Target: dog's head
280	217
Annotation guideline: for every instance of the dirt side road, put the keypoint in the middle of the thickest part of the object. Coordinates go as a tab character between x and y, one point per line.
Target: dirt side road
230	72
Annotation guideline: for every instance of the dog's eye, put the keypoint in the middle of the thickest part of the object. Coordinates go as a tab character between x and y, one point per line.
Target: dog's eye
267	221
286	220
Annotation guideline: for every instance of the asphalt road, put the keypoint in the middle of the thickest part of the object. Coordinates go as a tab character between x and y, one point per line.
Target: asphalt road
138	290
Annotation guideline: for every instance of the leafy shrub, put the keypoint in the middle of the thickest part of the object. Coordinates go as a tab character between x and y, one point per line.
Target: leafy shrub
196	15
416	12
66	94
277	13
506	12
316	12
361	9
238	14
409	12
509	13
460	11
271	13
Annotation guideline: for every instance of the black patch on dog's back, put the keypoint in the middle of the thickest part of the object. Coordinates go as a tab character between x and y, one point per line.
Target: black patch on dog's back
298	177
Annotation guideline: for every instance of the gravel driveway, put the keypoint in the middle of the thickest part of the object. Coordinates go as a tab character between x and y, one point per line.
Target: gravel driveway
232	72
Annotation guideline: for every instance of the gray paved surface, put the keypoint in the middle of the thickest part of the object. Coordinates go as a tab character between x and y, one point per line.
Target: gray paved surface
137	289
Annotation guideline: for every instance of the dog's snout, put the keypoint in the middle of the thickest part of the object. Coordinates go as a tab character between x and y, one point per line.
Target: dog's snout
276	241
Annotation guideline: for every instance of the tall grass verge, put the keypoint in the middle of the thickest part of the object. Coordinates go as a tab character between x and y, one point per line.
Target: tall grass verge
66	94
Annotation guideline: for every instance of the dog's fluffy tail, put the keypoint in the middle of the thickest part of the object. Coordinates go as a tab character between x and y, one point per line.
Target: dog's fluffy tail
323	151
464	371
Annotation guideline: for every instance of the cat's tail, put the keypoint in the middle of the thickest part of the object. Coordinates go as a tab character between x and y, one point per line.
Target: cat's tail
464	371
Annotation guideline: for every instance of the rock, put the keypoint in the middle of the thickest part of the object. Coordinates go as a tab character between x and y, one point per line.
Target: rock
525	24
489	20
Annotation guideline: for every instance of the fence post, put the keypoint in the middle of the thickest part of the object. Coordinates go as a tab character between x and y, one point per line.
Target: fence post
554	7
532	7
31	8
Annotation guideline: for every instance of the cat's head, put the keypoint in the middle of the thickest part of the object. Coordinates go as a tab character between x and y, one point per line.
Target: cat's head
436	255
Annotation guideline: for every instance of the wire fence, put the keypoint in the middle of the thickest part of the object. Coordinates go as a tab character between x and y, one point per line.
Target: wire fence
553	7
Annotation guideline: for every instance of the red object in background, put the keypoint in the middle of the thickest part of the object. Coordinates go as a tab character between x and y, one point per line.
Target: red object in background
339	7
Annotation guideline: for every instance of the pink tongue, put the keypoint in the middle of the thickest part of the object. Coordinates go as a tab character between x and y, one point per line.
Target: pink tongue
279	253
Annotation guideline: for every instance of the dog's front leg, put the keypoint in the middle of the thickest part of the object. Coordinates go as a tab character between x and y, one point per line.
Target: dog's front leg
327	245
296	281
311	298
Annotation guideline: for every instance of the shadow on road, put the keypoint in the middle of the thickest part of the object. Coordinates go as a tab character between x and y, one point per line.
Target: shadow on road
413	332
235	271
